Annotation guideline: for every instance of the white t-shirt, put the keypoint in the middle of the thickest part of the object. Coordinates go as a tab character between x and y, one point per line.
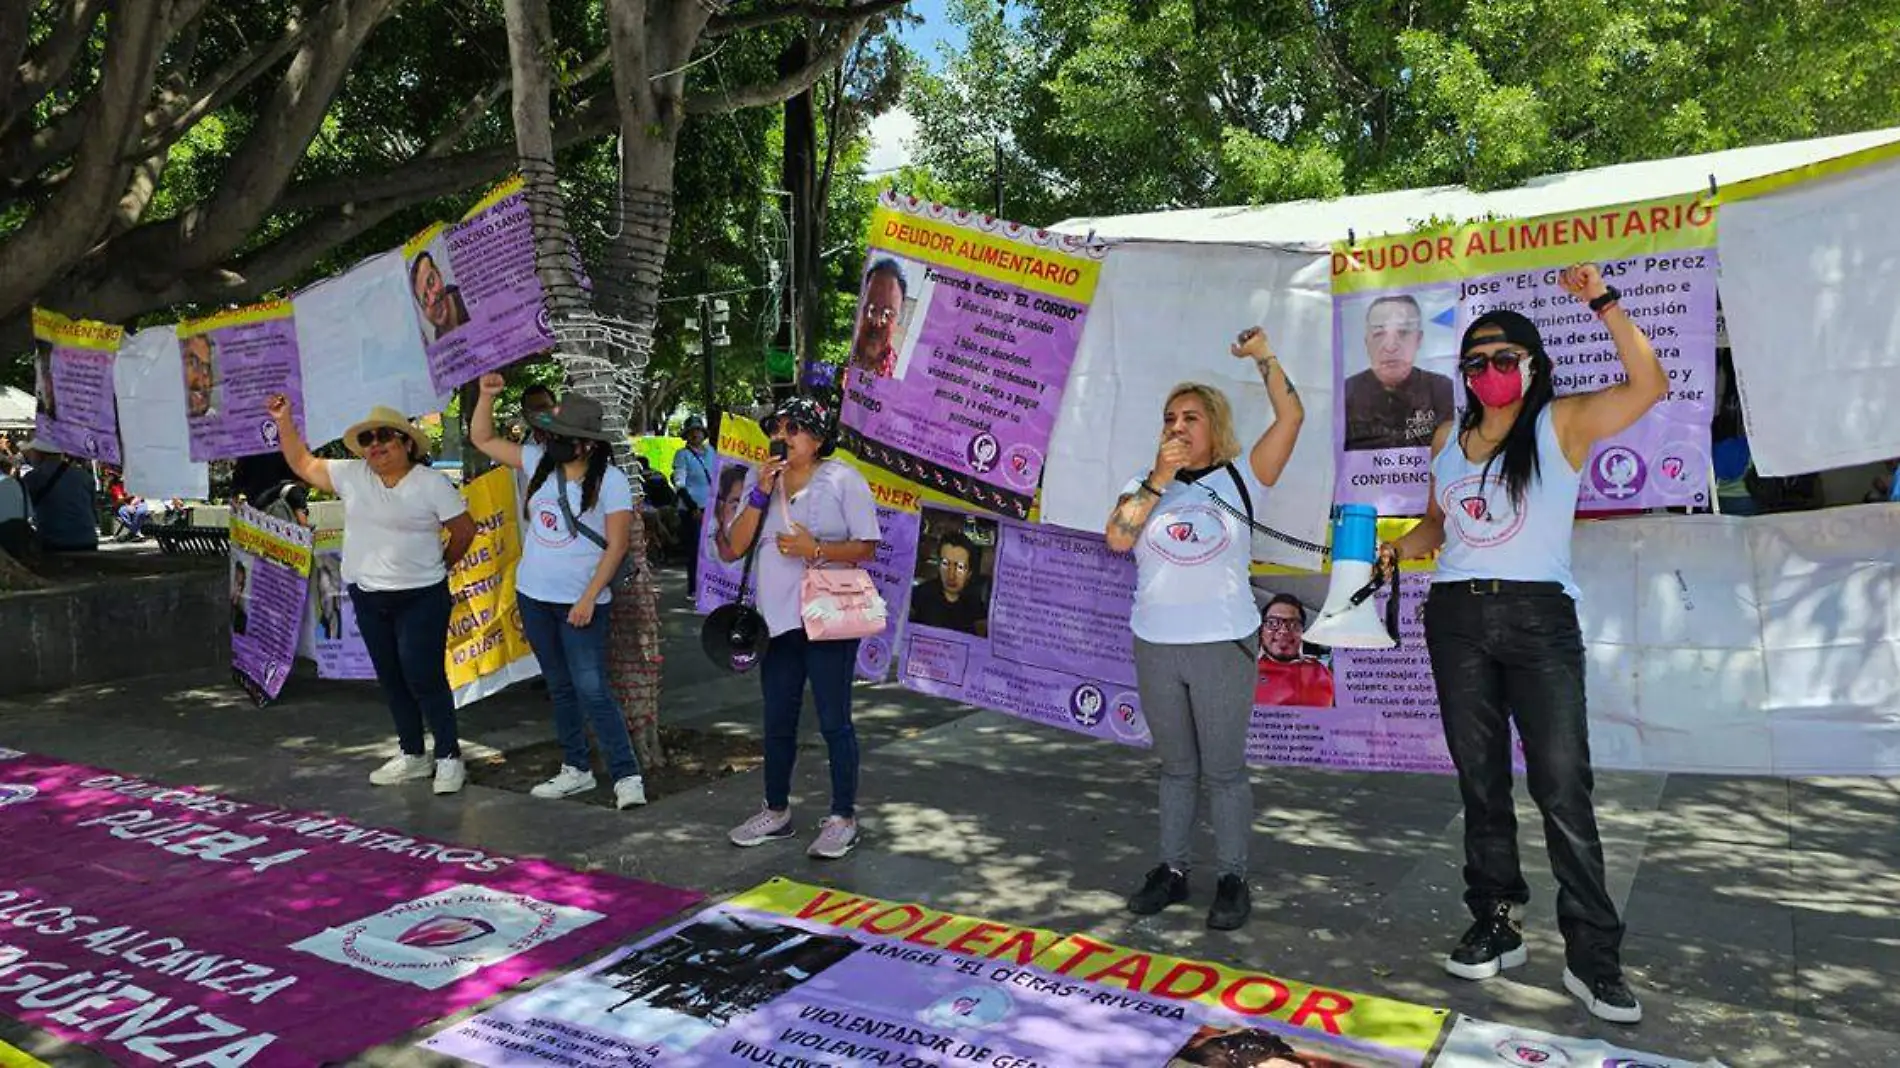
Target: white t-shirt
557	561
836	505
1191	565
392	535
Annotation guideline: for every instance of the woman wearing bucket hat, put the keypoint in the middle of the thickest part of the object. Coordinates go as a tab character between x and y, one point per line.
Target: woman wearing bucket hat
821	511
1501	628
579	526
396	567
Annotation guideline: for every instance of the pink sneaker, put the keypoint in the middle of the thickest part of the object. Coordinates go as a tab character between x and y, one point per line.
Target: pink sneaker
767	826
837	835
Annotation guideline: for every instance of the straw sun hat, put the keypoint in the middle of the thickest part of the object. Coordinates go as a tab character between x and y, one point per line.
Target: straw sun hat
383	416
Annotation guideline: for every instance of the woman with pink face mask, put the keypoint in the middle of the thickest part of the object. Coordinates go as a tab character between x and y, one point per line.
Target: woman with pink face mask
1501	628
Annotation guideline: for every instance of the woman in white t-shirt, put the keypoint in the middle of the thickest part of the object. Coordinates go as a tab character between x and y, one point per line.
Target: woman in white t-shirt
578	524
396	568
1196	627
817	511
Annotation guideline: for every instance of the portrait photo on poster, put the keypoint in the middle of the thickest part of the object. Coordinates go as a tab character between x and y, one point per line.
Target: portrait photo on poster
199	354
956	563
432	286
241	566
327	588
43	392
1398	359
1256	1047
1292	674
892	304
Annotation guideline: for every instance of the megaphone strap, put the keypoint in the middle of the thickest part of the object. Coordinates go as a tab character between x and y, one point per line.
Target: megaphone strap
1298	543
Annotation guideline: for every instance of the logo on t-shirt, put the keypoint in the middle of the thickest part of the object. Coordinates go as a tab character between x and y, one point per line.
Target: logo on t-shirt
549	527
1188	534
1479	512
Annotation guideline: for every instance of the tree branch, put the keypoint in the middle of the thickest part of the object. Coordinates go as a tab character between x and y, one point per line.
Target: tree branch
796	82
214	92
16	25
810	10
52	62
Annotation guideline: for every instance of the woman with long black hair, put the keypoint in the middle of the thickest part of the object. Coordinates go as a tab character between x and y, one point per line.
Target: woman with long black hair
578	520
1501	629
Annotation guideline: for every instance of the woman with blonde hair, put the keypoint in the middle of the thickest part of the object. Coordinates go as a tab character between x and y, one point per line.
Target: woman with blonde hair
1187	520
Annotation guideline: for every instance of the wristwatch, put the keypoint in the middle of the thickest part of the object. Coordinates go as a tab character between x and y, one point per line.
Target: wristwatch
1610	296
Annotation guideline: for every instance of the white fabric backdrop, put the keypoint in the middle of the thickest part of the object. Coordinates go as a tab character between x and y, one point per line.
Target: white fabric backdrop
1811	289
1165	313
361	345
149	382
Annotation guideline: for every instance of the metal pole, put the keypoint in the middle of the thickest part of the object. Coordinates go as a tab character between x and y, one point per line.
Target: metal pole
706	368
1002	26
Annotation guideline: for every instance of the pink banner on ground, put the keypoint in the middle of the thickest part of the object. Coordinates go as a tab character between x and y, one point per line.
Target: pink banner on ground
168	925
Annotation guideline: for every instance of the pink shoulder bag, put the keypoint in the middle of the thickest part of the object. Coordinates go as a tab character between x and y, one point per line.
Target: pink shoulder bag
839	604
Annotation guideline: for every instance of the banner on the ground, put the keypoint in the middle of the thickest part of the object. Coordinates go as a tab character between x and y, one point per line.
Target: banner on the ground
1402	303
1026	619
75	409
473	285
487	648
357	336
270	582
1474	1043
742	449
232	363
160	924
336	641
791	974
966	330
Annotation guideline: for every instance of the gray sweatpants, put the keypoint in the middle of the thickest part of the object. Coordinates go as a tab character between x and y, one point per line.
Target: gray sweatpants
1198	700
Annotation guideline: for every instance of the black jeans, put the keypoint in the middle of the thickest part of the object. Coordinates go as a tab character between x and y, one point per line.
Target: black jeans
407	633
1517	655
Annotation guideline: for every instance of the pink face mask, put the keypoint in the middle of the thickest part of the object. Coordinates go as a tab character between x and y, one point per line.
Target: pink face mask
1496	388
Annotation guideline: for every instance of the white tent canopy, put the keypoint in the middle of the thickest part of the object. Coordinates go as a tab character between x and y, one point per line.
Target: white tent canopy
1326	221
16	409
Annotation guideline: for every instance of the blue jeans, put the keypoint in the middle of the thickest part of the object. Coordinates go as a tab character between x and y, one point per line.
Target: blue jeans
407	635
574	662
790	661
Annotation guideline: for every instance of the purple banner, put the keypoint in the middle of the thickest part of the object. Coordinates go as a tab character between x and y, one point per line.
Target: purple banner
966	330
478	300
168	925
72	385
233	363
339	644
270	580
1396	355
1051	641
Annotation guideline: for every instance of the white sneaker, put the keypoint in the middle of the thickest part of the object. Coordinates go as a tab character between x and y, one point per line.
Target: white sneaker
567	782
449	776
630	791
402	768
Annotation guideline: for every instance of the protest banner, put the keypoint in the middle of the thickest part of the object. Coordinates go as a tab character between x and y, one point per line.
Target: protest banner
270	582
1474	1043
232	363
1402	303
73	392
473	284
795	974
967	327
153	433
163	924
487	648
358	340
338	643
742	448
659	451
1039	630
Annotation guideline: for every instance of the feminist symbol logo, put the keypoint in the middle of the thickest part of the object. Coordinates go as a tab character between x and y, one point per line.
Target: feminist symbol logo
1618	473
1085	704
983	450
268	431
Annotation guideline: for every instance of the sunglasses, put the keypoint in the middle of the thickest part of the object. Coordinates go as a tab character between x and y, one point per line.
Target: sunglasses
772	424
1275	623
380	436
1503	361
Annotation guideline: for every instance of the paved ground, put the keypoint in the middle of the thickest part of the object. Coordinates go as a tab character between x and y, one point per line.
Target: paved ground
1764	914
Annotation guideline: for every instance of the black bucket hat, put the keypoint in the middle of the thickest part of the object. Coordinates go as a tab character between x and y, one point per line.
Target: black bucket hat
805	413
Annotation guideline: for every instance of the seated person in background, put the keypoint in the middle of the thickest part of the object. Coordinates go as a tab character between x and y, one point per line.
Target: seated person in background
266	483
1287	677
659	506
953	600
60	491
15	534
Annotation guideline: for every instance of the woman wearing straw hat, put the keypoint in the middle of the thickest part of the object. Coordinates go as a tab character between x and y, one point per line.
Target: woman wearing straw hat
396	568
579	520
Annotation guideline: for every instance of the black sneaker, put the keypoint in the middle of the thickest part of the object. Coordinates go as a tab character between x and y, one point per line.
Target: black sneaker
1163	887
1492	944
1231	904
1607	998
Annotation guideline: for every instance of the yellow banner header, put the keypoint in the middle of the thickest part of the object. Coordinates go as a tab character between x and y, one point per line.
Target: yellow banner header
917	924
263	544
1449	254
741	439
56	329
255	313
999	257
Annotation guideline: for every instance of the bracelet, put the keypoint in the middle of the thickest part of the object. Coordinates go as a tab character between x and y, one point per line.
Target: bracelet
1152	492
758	498
818	554
1610	296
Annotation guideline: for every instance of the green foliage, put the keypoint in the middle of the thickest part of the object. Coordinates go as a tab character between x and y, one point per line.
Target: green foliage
1110	106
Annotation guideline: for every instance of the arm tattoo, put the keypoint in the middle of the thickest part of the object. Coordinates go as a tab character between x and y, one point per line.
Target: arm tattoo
1266	376
1121	520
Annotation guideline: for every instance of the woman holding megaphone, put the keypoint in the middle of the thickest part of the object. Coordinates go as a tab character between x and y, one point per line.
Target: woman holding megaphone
1196	628
1501	628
